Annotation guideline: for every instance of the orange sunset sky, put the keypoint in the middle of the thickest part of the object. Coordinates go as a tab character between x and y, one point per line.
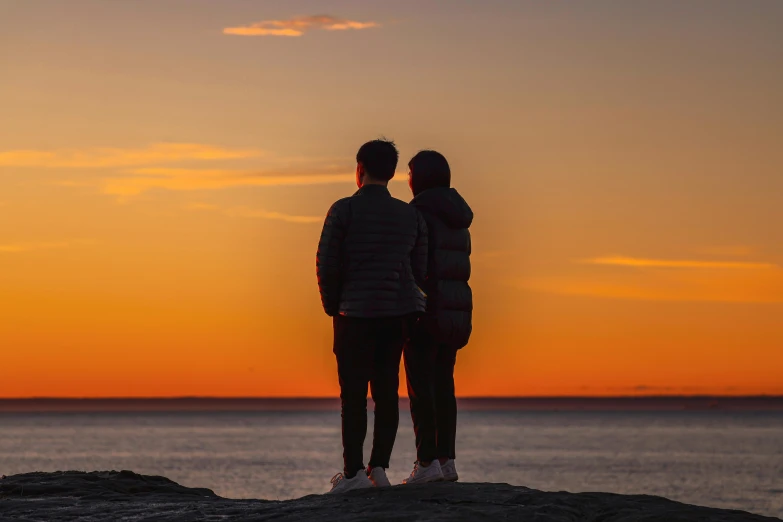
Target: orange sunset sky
165	168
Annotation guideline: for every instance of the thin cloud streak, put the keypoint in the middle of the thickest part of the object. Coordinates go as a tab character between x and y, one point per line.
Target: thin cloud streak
278	216
118	157
297	26
245	212
725	286
196	179
666	263
16	248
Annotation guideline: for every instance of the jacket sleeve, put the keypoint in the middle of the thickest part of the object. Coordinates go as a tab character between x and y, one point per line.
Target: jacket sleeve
419	254
328	260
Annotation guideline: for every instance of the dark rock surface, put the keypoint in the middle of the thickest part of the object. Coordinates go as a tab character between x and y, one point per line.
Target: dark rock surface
125	495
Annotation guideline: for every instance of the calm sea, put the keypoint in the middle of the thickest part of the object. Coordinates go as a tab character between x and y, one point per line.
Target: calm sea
721	459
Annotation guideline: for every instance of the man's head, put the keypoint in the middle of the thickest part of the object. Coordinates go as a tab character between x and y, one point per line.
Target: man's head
376	162
428	169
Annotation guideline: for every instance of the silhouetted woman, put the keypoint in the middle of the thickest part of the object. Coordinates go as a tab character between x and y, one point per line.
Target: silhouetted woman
431	353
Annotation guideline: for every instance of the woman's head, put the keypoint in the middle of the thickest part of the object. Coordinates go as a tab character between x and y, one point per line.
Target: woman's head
428	169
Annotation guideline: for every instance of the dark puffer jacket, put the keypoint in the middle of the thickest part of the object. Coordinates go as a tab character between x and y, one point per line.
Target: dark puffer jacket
449	298
372	257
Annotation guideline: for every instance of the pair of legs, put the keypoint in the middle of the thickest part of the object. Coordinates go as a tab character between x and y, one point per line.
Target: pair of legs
368	351
430	373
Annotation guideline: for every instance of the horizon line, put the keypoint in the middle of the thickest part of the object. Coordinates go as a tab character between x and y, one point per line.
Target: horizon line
466	397
632	403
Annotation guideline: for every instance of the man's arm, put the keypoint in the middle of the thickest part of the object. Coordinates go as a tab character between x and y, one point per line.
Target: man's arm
328	260
419	254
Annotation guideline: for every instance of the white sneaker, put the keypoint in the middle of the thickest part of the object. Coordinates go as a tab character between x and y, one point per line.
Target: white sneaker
449	471
340	484
378	478
422	475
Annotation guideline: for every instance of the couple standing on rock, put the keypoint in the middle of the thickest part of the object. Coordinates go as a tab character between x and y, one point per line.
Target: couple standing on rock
394	278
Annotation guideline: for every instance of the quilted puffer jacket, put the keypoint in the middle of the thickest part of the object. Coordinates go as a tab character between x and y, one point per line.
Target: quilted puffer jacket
372	256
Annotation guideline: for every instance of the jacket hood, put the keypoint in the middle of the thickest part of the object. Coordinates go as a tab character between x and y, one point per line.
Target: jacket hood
447	204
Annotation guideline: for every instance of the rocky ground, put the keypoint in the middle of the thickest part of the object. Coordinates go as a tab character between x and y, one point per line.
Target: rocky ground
127	496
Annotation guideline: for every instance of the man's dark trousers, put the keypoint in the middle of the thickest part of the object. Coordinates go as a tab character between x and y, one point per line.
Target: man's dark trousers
369	351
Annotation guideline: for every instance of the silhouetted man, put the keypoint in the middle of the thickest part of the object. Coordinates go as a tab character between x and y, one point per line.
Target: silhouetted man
372	259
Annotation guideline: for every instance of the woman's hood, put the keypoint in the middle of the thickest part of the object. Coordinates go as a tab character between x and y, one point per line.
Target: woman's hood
447	204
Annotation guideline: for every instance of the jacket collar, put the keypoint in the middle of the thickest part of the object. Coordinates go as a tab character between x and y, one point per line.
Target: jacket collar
374	190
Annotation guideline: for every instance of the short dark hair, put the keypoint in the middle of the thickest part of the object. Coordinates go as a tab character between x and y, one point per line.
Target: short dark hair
429	169
379	158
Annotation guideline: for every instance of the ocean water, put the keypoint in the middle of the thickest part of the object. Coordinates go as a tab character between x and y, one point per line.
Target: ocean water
720	459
